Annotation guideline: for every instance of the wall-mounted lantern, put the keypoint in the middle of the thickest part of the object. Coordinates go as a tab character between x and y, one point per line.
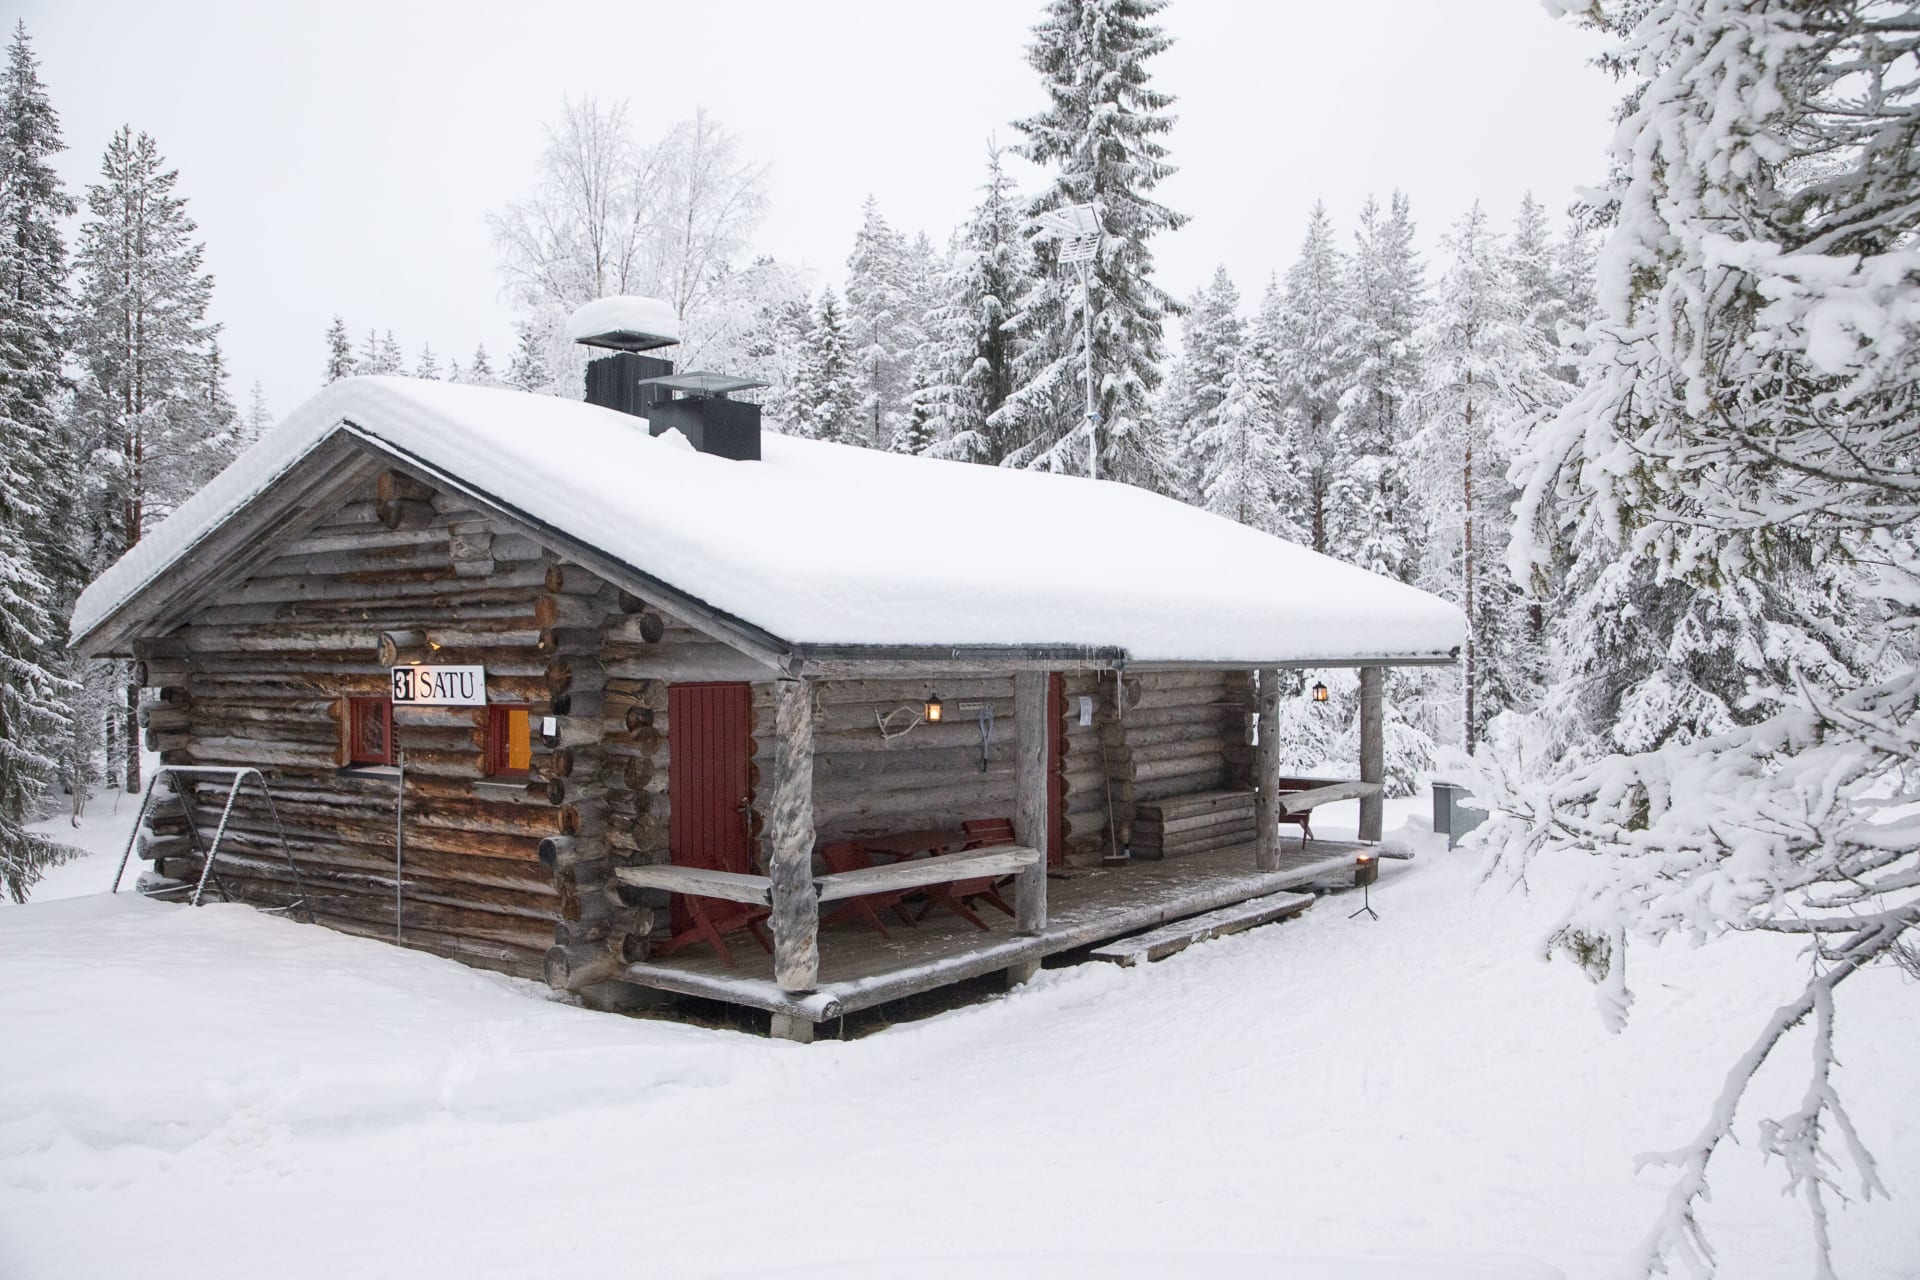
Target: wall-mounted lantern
1319	691
934	711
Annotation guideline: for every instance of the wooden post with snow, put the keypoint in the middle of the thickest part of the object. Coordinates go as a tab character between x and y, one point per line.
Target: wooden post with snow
1030	805
1373	750
1266	805
796	908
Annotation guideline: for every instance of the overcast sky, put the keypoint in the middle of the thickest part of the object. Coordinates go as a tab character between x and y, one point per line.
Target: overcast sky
341	157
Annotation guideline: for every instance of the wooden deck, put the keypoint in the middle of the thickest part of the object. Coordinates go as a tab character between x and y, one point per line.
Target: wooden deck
860	969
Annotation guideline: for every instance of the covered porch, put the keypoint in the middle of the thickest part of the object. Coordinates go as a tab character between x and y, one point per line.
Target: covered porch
809	978
859	969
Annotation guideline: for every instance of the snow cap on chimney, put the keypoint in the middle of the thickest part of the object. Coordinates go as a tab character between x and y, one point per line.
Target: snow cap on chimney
624	322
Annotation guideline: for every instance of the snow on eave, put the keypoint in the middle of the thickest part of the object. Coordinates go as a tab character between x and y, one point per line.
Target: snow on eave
831	547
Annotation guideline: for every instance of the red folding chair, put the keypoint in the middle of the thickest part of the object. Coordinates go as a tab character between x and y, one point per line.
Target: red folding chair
712	919
847	855
960	895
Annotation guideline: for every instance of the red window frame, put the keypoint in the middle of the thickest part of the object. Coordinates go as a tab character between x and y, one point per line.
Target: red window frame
499	740
360	712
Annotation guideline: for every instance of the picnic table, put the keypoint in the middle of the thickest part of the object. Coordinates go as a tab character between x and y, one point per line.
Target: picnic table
902	845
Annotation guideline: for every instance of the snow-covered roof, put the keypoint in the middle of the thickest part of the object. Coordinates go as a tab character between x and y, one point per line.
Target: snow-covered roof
827	544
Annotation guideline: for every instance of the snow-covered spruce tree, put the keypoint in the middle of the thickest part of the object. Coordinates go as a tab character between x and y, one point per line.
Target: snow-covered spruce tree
881	332
1488	371
825	400
1742	451
1100	135
1244	457
1385	294
32	707
1308	318
340	358
971	372
259	418
1212	337
527	370
141	336
428	365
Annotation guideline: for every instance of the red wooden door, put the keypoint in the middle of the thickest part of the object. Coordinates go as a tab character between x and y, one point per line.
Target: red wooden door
1056	769
709	749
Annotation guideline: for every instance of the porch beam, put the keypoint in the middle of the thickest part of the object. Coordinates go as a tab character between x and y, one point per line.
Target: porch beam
1266	801
1030	797
796	905
1373	751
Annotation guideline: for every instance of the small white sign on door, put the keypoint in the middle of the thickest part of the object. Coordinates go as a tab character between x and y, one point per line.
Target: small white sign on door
418	686
1086	709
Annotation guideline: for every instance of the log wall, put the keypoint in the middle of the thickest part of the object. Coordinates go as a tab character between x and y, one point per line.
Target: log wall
1176	733
261	675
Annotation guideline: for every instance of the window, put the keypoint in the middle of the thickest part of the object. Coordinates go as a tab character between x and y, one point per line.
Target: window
509	741
369	731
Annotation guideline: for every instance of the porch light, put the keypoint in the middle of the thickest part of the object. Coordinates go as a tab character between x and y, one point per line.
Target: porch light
1319	692
934	710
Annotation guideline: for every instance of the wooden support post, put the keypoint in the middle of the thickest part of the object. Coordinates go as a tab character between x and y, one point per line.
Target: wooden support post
1030	796
1373	750
796	908
1266	774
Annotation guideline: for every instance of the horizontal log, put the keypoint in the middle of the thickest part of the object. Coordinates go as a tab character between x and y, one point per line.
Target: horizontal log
1301	801
700	882
1183	784
916	872
691	663
398	486
571	580
571	968
429	590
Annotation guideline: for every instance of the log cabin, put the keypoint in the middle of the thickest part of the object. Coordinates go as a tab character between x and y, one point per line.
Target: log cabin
629	694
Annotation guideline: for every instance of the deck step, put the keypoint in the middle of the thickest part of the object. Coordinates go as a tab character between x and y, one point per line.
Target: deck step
1170	939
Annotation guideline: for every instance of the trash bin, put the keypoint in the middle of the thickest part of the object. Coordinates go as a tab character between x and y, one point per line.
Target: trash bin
1452	815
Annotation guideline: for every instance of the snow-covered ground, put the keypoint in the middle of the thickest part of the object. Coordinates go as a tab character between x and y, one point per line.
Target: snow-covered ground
223	1093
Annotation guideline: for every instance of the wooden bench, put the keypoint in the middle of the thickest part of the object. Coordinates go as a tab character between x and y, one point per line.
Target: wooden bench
1194	823
1171	939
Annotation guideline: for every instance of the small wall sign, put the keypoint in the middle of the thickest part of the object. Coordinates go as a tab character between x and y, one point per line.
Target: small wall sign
418	686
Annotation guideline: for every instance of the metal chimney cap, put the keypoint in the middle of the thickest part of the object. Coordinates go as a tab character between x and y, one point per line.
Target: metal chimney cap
624	322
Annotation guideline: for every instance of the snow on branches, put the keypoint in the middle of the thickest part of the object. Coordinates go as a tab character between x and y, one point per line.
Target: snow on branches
1729	507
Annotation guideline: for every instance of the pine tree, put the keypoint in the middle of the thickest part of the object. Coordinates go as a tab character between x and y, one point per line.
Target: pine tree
480	372
142	339
1384	298
1731	743
340	361
33	300
1488	372
825	398
881	332
388	357
259	419
1308	321
429	366
1196	387
1245	474
527	371
31	695
1100	135
36	471
971	370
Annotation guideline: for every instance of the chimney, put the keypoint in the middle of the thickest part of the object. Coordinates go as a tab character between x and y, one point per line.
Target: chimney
702	413
625	326
694	404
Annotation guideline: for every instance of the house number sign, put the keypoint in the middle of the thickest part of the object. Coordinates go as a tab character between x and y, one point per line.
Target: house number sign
439	686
